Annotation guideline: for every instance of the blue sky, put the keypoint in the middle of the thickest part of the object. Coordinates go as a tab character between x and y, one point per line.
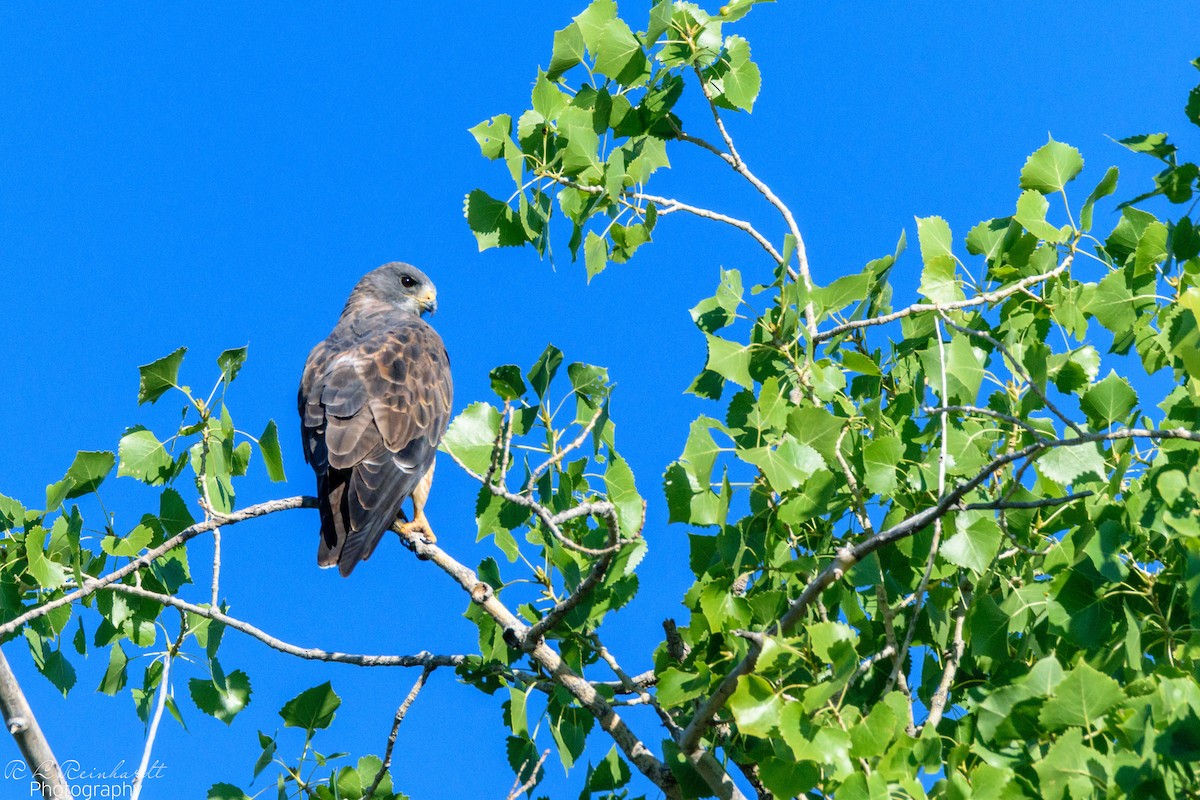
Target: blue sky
170	177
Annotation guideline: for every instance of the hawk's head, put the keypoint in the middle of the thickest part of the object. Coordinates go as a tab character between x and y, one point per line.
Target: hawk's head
401	285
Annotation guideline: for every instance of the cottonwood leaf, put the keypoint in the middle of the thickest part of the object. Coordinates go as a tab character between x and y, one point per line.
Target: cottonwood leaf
1081	699
755	706
311	709
1109	400
1051	167
471	436
159	376
1065	465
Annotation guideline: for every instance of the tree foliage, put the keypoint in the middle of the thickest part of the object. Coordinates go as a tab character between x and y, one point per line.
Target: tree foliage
941	547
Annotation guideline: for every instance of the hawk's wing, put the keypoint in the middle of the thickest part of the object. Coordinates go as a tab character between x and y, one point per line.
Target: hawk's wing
374	403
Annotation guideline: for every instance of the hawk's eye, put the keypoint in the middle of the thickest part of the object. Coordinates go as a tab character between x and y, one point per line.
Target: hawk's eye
407	281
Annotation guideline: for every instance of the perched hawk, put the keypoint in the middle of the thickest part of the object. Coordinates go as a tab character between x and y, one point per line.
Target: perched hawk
374	403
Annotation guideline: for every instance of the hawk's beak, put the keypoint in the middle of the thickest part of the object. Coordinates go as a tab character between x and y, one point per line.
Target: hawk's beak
429	302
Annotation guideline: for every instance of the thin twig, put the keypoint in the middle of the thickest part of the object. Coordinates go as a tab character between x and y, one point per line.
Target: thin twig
188	533
588	584
518	788
1047	502
987	412
937	704
1017	369
956	305
391	742
422	659
943	458
574	445
739	166
669	205
164	688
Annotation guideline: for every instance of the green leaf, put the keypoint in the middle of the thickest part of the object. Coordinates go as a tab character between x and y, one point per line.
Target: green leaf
1110	400
50	662
593	20
1082	699
933	233
567	52
547	99
88	471
129	545
48	574
1031	213
145	458
230	362
159	376
544	369
974	544
729	360
116	673
311	709
492	221
1106	186
223	700
786	466
1065	465
507	382
622	492
619	54
268	445
226	791
1111	303
595	254
755	706
472	435
742	80
881	457
1051	167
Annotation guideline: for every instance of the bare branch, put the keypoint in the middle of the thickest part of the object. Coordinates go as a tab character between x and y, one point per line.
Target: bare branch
669	205
937	704
574	445
987	412
1016	367
517	634
978	300
164	688
609	514
520	788
551	521
391	742
423	659
23	725
735	161
1048	502
191	532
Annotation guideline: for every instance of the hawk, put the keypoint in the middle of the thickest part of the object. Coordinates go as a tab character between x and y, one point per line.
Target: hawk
374	402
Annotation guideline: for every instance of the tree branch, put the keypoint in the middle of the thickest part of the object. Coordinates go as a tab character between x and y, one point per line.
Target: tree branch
422	659
516	633
978	300
520	788
735	161
937	704
400	714
669	205
191	532
23	725
847	557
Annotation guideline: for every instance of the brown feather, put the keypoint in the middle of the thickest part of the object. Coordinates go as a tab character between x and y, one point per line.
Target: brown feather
374	401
